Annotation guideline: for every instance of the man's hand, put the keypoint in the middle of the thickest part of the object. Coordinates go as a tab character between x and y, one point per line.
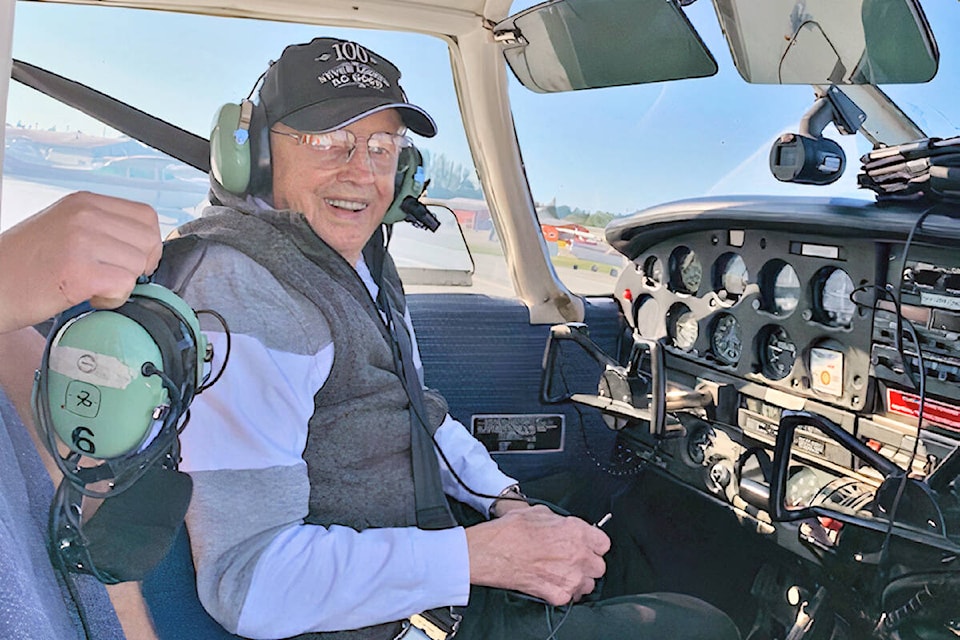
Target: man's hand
539	553
83	247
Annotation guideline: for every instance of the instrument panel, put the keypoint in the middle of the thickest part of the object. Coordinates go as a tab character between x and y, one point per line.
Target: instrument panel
787	304
769	306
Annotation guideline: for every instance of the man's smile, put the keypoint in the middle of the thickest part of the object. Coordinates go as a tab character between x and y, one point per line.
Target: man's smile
350	205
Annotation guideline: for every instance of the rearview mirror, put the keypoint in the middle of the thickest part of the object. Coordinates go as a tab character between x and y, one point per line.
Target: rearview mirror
825	42
566	45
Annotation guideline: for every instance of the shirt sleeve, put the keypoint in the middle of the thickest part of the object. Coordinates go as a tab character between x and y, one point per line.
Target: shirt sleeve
325	579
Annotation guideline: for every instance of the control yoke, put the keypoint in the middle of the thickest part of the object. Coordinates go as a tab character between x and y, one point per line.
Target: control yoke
625	395
790	422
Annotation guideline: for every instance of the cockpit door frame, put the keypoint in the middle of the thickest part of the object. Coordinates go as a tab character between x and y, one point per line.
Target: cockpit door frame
6	47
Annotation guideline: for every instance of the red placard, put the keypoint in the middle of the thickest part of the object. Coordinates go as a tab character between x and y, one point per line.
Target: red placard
908	404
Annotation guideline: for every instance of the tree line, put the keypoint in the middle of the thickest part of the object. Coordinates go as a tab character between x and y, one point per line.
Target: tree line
450	179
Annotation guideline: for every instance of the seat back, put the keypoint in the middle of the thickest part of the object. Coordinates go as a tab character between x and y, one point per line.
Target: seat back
170	592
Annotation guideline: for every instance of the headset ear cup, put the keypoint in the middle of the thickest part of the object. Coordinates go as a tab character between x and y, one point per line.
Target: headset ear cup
230	147
410	182
184	325
261	176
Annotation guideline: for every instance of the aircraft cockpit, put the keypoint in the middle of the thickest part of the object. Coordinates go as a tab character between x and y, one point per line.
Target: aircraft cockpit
698	259
781	369
794	360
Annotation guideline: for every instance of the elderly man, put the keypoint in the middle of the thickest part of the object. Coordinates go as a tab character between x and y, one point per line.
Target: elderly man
320	465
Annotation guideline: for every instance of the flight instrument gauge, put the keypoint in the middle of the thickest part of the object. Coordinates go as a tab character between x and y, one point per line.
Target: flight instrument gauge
832	304
779	288
649	318
686	271
776	351
730	276
652	272
683	327
726	342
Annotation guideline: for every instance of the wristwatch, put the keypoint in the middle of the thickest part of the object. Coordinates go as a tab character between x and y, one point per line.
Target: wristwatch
511	493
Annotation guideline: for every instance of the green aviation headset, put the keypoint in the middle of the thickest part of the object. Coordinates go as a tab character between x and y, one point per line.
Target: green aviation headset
108	376
114	386
240	161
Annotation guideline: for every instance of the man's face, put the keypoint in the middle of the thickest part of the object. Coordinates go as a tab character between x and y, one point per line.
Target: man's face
345	205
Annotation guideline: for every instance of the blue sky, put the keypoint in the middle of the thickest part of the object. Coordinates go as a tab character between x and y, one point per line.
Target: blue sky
617	149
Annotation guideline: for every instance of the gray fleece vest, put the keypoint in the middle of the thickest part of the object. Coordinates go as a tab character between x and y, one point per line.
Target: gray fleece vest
359	455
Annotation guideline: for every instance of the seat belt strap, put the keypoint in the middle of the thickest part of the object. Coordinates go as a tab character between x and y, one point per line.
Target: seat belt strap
433	512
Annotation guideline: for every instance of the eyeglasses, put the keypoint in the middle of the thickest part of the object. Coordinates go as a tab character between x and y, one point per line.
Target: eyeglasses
334	149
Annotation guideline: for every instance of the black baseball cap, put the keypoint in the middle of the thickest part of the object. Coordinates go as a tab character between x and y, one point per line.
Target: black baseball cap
328	83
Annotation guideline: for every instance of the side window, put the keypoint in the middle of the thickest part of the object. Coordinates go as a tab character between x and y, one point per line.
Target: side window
579	250
433	260
44	161
466	242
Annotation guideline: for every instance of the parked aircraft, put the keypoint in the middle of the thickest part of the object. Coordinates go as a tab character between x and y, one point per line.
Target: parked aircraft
757	370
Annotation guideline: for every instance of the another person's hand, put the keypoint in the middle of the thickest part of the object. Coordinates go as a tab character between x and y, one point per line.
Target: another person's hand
537	552
83	247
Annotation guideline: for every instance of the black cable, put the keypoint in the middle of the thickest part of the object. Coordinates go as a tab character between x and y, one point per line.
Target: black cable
919	384
916	378
65	574
616	471
422	420
226	356
919	380
146	457
554	629
423	424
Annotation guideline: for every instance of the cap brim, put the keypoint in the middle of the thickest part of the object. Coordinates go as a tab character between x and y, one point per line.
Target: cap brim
335	114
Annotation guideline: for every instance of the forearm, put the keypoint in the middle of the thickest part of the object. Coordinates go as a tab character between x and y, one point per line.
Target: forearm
20	355
28	287
323	579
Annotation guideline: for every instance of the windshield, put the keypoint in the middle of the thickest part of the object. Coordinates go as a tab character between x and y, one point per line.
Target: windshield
51	149
590	156
622	149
